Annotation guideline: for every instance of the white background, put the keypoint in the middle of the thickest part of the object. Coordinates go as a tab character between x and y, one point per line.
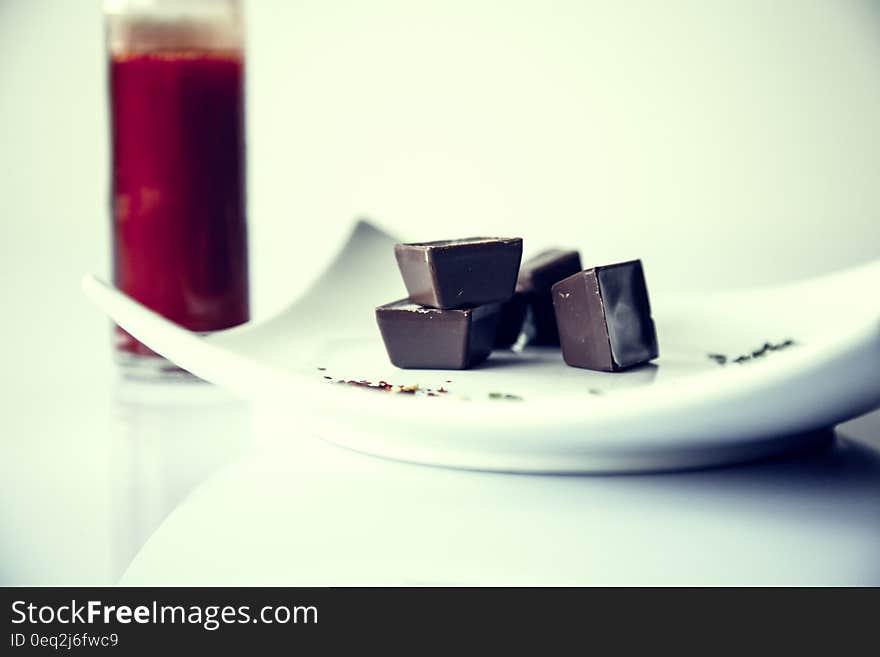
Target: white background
722	142
725	143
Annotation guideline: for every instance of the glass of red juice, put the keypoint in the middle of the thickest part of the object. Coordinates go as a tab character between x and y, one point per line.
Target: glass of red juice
177	102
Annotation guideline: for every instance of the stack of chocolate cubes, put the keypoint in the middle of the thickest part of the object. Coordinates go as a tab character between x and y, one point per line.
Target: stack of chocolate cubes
469	296
456	288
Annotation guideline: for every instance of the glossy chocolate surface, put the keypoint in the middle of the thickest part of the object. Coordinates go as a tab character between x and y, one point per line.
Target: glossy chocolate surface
418	337
604	317
460	273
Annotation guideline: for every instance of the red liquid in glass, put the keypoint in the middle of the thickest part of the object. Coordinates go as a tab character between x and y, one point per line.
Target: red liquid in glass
180	238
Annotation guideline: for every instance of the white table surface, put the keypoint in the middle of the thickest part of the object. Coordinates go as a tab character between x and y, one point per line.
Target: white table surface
103	480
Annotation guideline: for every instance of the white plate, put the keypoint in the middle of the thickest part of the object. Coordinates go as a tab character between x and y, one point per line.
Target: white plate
683	411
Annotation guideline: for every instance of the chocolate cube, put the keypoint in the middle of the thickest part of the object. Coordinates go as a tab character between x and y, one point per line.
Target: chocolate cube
604	317
536	276
418	337
460	273
540	272
511	321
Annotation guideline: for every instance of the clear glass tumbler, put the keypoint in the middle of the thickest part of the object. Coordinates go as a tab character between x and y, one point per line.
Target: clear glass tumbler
177	103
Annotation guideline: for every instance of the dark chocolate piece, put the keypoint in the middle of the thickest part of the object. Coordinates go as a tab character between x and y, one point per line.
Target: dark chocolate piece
540	272
417	337
460	273
510	323
604	317
536	276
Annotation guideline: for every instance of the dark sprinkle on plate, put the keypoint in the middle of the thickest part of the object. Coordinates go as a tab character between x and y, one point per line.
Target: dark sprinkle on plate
505	396
760	352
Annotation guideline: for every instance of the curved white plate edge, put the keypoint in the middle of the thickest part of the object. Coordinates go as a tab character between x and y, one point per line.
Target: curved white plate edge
362	229
186	349
236	372
629	451
595	460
